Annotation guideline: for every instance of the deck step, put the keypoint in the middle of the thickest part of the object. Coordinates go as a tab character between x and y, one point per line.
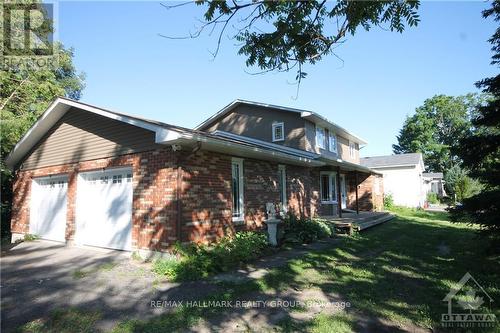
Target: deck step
361	225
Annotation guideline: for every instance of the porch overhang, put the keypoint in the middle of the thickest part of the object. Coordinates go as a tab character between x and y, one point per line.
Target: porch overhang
347	166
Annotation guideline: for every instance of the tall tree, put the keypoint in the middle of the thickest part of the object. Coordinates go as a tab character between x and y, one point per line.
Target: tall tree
25	94
285	35
480	151
436	128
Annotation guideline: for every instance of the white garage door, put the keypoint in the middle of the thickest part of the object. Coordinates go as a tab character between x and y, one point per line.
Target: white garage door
104	209
48	207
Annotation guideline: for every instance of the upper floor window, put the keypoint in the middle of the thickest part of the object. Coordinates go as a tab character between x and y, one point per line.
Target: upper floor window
320	137
352	149
332	142
278	131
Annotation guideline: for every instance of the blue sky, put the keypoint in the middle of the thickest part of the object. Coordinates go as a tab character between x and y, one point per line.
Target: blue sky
384	75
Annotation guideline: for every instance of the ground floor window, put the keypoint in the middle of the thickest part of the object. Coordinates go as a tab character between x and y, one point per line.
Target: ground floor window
328	186
282	186
237	188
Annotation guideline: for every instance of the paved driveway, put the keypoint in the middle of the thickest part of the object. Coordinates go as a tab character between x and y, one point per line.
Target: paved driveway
39	276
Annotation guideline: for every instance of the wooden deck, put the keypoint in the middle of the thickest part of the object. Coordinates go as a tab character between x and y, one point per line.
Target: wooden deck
350	222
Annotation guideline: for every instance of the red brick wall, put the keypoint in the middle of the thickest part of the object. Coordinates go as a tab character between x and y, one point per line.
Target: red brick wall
153	212
303	190
206	196
201	206
369	198
261	185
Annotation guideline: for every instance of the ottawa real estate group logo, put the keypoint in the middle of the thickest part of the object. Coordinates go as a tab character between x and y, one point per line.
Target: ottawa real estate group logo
28	35
474	306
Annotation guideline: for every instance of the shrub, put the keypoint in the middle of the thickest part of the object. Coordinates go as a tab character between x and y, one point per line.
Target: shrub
198	261
298	230
30	237
388	201
432	198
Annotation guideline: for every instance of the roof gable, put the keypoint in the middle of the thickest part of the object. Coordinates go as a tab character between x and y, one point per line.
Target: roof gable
305	114
58	109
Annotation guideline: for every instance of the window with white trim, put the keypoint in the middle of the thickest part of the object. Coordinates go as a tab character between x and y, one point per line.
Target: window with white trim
237	188
320	137
352	149
282	186
332	142
278	132
328	187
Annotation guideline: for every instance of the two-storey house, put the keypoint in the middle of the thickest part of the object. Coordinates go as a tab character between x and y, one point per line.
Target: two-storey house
97	177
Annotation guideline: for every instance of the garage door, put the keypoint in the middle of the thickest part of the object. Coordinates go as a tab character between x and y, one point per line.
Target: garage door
104	209
48	207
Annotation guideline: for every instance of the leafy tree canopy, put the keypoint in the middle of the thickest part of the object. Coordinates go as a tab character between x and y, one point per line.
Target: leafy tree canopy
25	93
282	35
459	185
436	128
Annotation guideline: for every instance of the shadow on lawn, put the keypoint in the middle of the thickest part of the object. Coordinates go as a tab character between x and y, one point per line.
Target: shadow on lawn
394	275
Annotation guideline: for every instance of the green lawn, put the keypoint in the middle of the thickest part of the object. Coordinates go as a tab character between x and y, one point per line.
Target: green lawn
397	272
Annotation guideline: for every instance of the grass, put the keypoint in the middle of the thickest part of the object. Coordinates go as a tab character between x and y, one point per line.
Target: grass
30	237
338	323
82	273
397	272
64	321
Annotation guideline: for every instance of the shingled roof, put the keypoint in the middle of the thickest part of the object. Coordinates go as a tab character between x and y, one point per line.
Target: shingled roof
391	160
433	175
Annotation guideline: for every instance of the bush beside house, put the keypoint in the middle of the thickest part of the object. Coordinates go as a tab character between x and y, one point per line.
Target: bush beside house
197	261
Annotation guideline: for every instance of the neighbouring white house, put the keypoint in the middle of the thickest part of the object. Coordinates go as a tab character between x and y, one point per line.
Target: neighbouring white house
434	182
403	177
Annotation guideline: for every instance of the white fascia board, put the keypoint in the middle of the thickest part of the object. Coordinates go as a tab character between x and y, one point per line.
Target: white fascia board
220	113
349	165
230	148
165	135
394	166
270	145
56	110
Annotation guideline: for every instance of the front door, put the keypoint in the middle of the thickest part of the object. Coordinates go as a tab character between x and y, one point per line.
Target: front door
343	192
